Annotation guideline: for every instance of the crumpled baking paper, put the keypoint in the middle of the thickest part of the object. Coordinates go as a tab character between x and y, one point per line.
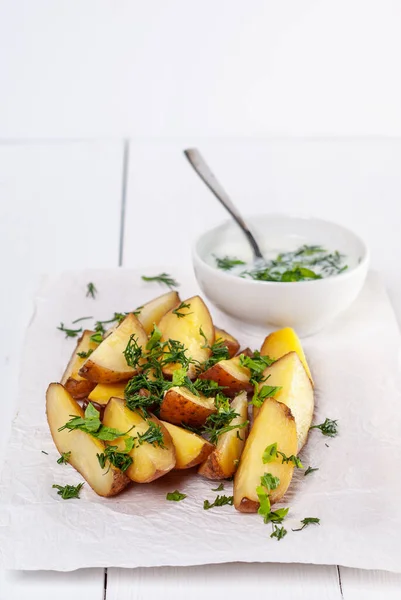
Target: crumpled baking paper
356	491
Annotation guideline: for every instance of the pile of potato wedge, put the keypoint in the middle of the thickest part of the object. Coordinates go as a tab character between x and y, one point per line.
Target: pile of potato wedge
101	373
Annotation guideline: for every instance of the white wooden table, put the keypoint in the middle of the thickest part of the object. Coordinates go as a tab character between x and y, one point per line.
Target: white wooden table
93	204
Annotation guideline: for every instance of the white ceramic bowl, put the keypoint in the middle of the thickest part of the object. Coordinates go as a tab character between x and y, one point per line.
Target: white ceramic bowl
307	306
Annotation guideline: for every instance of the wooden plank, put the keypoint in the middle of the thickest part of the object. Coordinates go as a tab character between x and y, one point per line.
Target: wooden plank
358	584
58	202
48	585
237	580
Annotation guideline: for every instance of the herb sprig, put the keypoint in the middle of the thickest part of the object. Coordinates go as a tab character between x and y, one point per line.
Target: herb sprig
163	278
328	428
68	491
219	501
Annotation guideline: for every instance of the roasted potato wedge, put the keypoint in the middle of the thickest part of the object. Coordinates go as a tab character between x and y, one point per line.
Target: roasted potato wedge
223	461
274	424
60	406
151	312
283	341
74	383
107	363
190	449
179	405
150	461
102	393
230	341
296	391
186	329
229	374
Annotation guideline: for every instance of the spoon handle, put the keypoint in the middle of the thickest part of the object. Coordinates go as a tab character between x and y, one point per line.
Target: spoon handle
199	164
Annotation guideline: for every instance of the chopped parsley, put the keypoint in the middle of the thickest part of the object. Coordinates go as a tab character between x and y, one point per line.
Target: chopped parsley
219	488
85	354
91	424
278	532
175	496
271	452
219	501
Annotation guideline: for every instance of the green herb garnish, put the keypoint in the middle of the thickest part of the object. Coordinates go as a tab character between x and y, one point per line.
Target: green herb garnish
81	319
175	496
329	428
133	352
261	393
69	332
218	351
219	501
68	491
91	290
85	354
64	458
278	532
310	470
307	263
271	453
256	364
119	458
227	263
308	521
153	435
181	307
219	488
97	337
163	278
91	424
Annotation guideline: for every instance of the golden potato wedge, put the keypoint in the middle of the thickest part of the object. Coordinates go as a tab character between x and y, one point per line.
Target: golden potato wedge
107	363
223	461
102	392
274	424
231	375
230	341
151	312
150	461
296	391
74	383
179	405
190	449
283	341
60	406
186	329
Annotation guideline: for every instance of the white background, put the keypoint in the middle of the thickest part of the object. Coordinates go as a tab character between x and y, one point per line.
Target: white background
210	72
78	68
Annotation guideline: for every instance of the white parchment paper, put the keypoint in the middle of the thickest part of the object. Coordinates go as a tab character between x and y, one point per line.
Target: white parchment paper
356	493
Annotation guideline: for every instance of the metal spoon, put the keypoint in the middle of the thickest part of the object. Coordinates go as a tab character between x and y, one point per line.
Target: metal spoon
199	164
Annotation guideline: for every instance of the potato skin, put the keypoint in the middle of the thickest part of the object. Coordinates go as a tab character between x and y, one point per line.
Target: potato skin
233	385
176	408
79	389
211	468
248	506
230	341
96	374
